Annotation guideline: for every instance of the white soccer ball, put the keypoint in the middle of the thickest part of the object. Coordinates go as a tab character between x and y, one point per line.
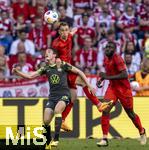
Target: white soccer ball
51	16
134	84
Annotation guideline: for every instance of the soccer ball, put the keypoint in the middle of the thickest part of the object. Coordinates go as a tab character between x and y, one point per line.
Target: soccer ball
51	16
134	84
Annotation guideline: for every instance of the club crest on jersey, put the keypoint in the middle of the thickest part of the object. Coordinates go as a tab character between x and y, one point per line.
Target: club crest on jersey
55	79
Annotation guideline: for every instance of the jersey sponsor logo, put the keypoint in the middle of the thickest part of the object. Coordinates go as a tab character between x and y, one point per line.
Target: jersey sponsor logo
55	79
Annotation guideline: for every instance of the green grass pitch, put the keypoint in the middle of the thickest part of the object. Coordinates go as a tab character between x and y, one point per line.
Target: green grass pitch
88	144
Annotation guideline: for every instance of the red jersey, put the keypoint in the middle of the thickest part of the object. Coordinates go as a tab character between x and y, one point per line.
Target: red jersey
17	9
64	48
114	66
83	32
39	37
126	20
86	58
144	17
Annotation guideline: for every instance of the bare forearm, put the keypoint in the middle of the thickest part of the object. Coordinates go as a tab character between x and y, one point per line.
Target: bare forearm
24	75
73	31
84	78
81	74
30	75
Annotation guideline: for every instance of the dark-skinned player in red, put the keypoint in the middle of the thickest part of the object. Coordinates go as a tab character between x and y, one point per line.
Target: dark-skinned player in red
63	44
118	89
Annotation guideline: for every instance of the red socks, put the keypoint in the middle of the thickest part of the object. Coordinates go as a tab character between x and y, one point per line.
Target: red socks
136	121
90	96
105	124
67	110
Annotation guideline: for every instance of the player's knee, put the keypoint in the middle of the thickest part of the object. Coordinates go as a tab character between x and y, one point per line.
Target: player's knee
83	83
73	99
58	115
46	121
80	82
57	111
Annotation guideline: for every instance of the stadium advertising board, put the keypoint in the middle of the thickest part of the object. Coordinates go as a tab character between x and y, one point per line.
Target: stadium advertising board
84	118
40	88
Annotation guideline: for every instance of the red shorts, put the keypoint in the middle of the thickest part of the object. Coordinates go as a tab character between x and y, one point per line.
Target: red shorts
112	94
71	77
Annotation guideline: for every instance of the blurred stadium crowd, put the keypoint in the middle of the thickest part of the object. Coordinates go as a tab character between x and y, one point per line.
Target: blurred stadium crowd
24	35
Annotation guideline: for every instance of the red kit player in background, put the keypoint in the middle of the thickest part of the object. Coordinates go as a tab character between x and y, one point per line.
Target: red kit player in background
118	88
63	44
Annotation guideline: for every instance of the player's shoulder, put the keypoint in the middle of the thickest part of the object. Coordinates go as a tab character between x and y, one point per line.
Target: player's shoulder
56	39
42	70
66	66
55	42
64	63
45	67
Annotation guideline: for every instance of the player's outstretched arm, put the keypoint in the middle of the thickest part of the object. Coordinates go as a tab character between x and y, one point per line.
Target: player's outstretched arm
73	31
30	75
80	73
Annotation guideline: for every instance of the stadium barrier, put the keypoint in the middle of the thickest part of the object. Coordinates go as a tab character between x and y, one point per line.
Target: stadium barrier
40	88
84	119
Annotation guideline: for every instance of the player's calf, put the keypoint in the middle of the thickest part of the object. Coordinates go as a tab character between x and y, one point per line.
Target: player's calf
58	123
47	133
